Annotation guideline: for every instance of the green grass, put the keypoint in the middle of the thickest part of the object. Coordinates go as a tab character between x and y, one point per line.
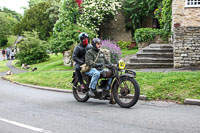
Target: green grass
55	63
126	52
172	86
55	79
11	40
3	66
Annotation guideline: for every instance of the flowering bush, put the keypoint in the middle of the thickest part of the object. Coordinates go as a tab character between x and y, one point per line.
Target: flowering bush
65	32
115	51
95	12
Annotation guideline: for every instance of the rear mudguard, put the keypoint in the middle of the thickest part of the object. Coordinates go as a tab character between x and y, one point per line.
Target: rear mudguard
74	76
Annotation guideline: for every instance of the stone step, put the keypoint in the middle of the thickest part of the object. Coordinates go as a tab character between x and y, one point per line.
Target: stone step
148	65
161	45
151	60
157	50
154	55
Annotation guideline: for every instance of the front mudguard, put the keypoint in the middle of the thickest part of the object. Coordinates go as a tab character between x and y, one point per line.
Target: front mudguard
112	100
121	76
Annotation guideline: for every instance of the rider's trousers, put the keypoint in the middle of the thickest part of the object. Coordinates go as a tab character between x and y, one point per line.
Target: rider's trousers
78	69
95	74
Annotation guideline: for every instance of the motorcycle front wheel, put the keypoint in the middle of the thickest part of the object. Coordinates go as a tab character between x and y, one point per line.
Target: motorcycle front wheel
79	95
126	92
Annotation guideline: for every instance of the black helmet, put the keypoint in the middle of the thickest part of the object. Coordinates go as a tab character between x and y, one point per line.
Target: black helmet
95	40
82	36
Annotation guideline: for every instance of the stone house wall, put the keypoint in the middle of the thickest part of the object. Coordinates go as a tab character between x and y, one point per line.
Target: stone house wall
116	30
186	37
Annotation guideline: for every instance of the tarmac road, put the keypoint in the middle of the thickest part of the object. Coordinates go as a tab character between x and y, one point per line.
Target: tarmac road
28	110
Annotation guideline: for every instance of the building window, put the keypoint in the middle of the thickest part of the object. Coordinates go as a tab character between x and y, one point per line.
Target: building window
192	3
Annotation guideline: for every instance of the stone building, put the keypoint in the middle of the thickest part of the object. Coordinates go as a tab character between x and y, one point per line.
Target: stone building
186	33
116	30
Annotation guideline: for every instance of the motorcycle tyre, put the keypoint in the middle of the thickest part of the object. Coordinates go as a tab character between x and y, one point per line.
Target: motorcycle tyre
76	95
136	96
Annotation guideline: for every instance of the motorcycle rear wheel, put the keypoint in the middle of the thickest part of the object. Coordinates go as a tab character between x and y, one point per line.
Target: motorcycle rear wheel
126	89
79	96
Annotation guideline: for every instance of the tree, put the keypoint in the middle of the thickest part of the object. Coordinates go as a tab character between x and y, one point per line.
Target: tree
7	23
36	18
14	14
65	32
35	2
138	10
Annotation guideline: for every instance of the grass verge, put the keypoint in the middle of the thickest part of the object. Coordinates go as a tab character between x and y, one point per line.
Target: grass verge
3	66
173	86
55	79
55	63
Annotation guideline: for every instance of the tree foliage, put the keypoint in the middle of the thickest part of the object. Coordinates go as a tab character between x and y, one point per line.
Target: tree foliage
35	2
36	18
31	49
138	10
166	15
7	22
66	31
12	13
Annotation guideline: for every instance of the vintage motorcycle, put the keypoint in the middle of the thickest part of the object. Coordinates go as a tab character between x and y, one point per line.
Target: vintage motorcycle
124	89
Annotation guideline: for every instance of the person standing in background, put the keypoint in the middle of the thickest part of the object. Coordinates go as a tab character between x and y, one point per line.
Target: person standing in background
12	54
8	53
3	53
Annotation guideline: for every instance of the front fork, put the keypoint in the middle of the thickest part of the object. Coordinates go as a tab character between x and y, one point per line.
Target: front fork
112	100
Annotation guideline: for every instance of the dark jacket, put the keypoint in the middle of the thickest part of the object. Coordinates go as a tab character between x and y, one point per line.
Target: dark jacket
79	53
91	56
3	51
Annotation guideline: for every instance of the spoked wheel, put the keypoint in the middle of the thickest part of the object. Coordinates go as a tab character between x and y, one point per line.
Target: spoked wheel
126	92
80	96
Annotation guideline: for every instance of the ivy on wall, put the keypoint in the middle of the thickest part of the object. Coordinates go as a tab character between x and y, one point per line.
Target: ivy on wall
164	15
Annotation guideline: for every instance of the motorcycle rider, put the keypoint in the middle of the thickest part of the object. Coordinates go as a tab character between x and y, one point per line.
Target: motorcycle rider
79	55
96	67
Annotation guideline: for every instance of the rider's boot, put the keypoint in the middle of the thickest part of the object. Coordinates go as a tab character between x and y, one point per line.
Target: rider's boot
91	92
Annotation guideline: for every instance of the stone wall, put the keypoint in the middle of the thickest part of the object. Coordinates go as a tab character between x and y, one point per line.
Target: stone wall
116	30
186	37
185	16
187	47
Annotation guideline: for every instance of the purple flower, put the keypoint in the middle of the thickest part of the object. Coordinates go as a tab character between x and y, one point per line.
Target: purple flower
114	49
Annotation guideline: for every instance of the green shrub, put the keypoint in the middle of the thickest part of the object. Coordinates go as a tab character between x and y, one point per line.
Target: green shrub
148	34
123	44
31	49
